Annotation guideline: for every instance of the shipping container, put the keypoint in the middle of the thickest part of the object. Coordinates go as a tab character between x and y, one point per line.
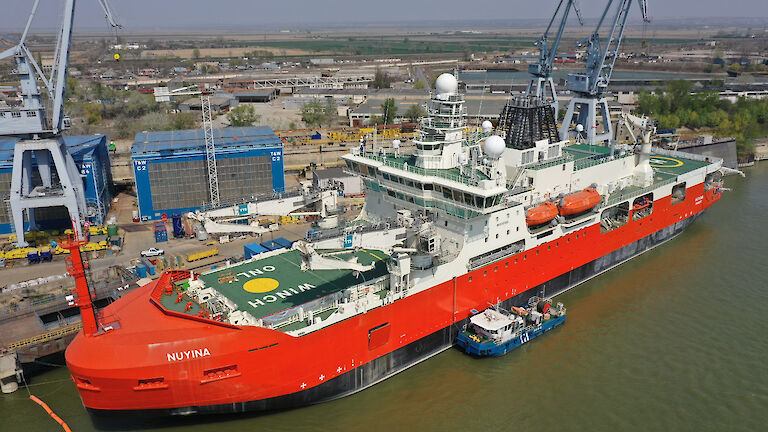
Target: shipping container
141	271
253	249
203	254
284	242
271	245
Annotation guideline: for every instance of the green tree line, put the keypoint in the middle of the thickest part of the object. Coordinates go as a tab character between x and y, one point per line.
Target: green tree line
675	105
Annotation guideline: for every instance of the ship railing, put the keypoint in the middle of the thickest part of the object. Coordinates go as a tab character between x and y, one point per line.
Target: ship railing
422	171
681	154
621	196
45	337
597	160
552	162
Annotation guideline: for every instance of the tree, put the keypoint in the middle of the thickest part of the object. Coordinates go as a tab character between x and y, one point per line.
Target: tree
73	86
381	79
243	115
92	114
183	120
388	111
331	111
419	85
313	113
415	113
196	53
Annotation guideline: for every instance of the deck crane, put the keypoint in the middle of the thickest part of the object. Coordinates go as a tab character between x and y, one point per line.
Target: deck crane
541	85
589	87
38	130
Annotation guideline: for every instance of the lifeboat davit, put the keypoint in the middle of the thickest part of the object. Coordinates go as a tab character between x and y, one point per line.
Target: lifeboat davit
579	202
541	214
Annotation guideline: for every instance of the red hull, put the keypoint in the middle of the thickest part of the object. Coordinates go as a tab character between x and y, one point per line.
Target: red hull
253	364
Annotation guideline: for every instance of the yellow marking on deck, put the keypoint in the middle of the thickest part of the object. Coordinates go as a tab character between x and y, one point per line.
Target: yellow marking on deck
373	255
261	285
677	162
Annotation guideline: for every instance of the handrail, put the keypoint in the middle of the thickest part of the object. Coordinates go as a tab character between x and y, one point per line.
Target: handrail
45	337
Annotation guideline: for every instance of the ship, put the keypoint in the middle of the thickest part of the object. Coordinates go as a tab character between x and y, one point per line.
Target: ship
444	232
495	331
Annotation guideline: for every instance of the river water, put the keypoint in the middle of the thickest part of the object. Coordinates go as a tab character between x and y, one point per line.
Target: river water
673	340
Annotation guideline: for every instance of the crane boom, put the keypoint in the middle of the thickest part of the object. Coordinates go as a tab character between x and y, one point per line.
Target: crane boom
541	84
601	60
29	71
588	87
38	131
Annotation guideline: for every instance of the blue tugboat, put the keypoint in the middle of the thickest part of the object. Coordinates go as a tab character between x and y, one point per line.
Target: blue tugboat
495	332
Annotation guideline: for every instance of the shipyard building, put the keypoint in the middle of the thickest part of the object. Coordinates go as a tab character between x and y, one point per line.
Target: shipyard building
90	155
171	172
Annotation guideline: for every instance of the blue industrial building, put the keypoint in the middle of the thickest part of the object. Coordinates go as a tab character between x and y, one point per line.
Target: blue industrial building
171	172
91	157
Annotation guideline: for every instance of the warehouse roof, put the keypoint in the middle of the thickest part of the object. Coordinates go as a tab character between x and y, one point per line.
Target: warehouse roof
178	141
80	146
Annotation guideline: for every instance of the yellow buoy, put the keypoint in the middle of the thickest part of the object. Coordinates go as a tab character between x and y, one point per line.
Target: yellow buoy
117	57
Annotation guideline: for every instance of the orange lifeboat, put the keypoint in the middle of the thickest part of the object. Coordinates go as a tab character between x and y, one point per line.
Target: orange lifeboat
541	214
579	202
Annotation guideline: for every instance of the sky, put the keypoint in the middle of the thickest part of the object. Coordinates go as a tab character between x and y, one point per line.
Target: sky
256	14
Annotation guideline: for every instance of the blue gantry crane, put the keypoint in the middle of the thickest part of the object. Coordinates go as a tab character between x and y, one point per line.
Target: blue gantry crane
541	84
39	130
588	87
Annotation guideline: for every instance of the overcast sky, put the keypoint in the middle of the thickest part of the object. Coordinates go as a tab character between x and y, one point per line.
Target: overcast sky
256	14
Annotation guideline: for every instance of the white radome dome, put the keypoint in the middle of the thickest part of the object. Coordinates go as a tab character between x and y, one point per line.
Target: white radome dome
487	126
396	144
579	128
494	146
446	84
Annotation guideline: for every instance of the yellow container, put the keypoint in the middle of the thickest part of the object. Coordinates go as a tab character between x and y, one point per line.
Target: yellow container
203	254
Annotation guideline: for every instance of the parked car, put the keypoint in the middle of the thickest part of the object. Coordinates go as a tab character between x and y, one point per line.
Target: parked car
152	252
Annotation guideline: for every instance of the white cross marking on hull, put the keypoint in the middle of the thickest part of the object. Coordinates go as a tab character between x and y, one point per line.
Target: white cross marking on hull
303	386
338	370
322	377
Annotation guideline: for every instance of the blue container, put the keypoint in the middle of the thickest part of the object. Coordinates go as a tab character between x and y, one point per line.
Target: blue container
178	229
46	255
141	270
284	242
271	245
33	257
149	266
253	249
161	236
